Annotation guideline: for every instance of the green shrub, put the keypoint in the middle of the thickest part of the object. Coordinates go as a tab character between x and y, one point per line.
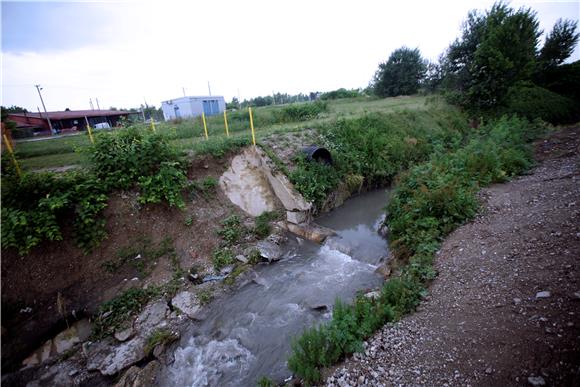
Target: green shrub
262	228
340	93
314	180
166	185
121	157
531	101
222	257
232	229
300	112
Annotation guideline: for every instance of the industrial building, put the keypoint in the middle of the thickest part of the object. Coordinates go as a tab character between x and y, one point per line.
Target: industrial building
34	124
185	107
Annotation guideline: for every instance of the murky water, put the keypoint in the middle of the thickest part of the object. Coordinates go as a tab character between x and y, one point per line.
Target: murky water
247	335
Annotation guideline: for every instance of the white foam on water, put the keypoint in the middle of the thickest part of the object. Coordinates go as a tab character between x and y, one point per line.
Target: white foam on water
291	312
198	365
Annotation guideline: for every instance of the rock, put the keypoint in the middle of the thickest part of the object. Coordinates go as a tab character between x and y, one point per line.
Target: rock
297	217
241	258
110	358
536	381
187	303
128	378
151	317
311	231
124	334
210	278
227	270
543	294
383	230
269	250
158	350
319	307
577	295
245	184
384	270
373	295
489	370
195	278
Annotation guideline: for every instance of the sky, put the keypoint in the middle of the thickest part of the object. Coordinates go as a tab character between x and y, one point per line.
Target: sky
128	53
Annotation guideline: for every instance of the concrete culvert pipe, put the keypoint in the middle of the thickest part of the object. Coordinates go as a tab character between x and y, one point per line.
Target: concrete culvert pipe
319	154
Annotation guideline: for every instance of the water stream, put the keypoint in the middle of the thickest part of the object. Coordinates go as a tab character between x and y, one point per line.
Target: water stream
247	335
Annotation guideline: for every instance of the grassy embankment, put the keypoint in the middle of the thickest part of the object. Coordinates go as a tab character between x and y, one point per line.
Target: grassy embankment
188	134
437	169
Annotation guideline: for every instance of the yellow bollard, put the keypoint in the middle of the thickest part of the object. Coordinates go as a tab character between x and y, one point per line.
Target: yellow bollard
11	151
90	131
153	125
226	124
204	125
252	126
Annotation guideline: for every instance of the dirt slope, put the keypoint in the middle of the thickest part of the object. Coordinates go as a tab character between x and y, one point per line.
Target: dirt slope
488	319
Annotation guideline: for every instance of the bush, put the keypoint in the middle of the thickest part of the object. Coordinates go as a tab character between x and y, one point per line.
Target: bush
340	93
222	257
166	185
300	112
232	229
120	158
530	101
262	228
313	179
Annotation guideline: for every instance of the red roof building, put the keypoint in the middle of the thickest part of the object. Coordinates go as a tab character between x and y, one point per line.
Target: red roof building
65	121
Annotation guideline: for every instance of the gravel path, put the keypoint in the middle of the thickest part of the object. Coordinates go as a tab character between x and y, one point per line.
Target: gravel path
505	307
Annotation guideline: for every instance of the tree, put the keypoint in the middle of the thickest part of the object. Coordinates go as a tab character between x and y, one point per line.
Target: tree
11	109
401	74
497	50
560	43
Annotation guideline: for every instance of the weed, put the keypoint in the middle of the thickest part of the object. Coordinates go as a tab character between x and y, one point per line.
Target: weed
205	187
255	257
188	221
231	230
265	382
262	228
112	314
231	278
160	336
205	296
221	257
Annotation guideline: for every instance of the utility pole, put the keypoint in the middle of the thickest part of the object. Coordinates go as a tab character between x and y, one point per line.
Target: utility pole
38	88
208	88
184	91
98	107
91	102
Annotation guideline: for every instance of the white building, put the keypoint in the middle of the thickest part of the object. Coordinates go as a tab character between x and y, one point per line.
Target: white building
184	107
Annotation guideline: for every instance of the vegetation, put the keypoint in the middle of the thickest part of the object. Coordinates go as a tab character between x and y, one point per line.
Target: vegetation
262	228
160	336
497	50
429	201
401	74
340	93
222	256
114	313
37	206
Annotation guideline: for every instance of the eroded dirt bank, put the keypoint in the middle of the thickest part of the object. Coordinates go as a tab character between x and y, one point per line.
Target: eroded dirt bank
505	307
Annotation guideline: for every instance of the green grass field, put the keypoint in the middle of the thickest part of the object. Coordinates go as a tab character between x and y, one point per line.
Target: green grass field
188	135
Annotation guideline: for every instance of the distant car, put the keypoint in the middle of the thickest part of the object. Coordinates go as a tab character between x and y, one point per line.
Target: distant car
103	125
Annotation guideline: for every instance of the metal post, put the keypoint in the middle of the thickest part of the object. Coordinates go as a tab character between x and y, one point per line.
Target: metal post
11	151
89	130
252	126
226	124
38	88
204	125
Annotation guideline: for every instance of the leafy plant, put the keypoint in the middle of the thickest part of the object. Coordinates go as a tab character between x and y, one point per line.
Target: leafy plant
166	185
205	296
262	228
222	257
159	336
231	230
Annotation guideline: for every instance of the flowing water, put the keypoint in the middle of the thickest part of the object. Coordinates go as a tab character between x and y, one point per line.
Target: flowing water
247	335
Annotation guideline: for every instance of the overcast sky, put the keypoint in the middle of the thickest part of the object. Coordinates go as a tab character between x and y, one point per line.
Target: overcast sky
126	53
